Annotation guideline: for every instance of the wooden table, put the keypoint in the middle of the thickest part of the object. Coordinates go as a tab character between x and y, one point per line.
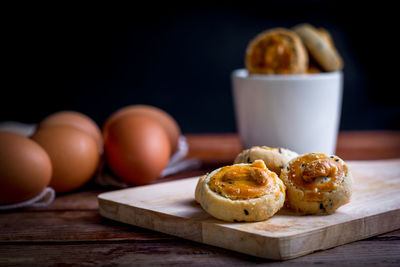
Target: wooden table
71	231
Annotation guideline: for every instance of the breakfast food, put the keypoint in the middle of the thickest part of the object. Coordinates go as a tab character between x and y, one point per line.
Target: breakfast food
241	192
25	168
73	153
77	120
317	183
137	149
303	49
274	158
167	122
276	51
320	46
312	68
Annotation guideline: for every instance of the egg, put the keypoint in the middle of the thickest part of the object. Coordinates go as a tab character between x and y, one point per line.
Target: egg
77	120
25	168
167	121
73	153
137	149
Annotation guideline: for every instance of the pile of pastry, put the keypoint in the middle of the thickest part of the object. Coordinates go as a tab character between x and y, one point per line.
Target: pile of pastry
304	49
262	180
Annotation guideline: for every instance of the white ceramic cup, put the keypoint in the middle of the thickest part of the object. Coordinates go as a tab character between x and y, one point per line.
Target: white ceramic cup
298	112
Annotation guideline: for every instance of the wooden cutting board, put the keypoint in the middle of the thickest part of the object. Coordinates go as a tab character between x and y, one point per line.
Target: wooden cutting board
170	208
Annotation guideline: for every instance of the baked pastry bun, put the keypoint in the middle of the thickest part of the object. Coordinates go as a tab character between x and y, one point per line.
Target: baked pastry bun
317	183
241	192
276	51
274	158
320	46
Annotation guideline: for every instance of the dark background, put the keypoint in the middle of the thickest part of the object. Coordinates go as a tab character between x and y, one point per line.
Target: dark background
96	59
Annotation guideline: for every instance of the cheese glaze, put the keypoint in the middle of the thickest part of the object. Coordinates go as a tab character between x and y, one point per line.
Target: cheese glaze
274	52
243	181
316	173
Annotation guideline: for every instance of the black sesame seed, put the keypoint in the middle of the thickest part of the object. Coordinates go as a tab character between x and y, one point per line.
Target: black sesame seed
303	166
280	151
336	160
287	168
235	220
321	207
332	157
246	212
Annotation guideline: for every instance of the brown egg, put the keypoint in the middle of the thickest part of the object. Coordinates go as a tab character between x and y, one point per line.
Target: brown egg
25	168
137	149
167	122
73	153
77	120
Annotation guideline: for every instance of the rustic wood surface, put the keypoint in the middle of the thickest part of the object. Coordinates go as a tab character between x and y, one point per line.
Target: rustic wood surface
71	231
170	208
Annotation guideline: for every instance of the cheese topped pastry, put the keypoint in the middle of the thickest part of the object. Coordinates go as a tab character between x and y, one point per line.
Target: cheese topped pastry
241	192
317	183
275	158
276	51
320	45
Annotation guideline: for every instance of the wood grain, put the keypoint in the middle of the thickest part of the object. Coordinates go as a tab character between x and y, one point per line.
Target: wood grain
170	208
187	253
65	226
367	145
71	232
217	149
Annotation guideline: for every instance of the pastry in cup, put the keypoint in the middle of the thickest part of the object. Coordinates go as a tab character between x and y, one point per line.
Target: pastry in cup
317	183
276	51
320	46
275	158
241	192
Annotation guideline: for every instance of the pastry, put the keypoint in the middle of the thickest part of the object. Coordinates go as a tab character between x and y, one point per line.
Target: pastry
274	158
312	68
320	46
241	192
317	183
276	51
